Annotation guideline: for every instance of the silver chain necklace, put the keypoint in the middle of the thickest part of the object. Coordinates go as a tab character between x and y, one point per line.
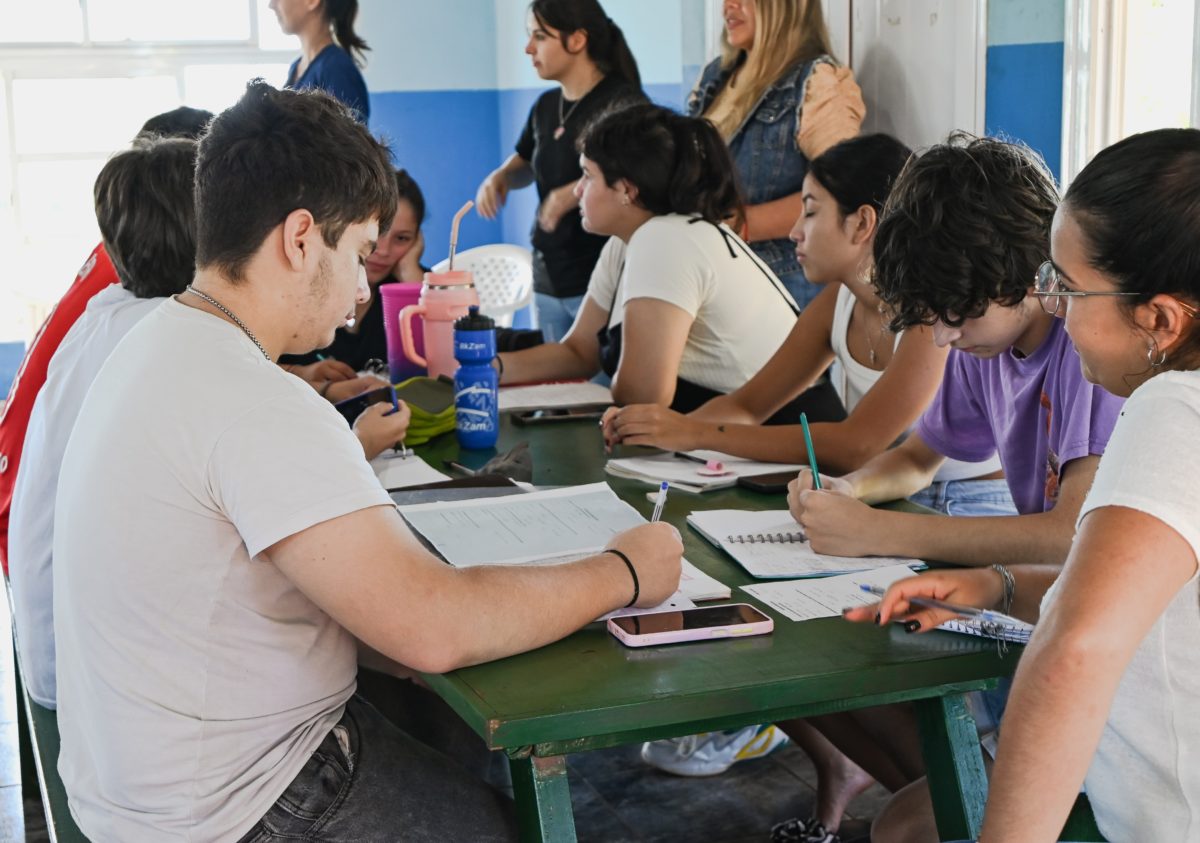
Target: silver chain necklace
562	120
229	313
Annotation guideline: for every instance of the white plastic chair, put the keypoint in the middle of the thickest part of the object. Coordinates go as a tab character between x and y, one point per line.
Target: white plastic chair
503	276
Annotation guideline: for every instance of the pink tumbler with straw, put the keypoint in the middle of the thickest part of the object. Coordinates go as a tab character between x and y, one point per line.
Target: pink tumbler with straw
445	296
395	297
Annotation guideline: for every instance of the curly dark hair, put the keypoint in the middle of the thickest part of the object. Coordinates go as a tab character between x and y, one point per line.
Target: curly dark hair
966	224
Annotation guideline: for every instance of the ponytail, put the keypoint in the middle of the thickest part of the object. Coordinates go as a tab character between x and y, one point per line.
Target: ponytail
860	171
679	165
606	45
341	15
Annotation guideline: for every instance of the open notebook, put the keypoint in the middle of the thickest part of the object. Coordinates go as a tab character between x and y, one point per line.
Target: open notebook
769	544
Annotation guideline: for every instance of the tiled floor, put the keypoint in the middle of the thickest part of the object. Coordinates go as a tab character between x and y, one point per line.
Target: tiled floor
616	797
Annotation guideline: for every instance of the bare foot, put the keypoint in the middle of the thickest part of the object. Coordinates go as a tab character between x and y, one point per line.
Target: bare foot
839	780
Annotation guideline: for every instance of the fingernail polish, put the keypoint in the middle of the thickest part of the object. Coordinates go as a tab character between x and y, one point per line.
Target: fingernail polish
912	626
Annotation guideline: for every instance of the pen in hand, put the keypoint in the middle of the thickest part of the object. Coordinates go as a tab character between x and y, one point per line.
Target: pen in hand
398	450
930	603
660	503
812	455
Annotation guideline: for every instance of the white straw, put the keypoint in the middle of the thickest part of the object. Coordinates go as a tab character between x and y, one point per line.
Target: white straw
462	212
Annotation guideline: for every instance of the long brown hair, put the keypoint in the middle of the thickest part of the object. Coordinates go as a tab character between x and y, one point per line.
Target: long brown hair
785	32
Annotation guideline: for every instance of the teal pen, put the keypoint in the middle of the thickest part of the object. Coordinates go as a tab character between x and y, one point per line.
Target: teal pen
321	356
812	455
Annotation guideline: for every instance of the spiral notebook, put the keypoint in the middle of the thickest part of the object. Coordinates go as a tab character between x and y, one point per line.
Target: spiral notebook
769	544
999	626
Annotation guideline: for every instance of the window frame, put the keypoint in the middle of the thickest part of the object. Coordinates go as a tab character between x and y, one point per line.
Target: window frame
1094	51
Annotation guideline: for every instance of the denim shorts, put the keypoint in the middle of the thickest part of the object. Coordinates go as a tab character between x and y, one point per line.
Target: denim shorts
370	781
967	497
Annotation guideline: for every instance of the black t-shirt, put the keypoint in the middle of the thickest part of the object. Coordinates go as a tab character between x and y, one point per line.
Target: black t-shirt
563	259
354	349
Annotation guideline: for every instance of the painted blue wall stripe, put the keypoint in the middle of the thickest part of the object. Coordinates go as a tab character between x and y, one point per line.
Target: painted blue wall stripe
1024	96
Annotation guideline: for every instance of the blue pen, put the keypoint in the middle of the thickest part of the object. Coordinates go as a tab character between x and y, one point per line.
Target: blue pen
661	502
930	603
812	455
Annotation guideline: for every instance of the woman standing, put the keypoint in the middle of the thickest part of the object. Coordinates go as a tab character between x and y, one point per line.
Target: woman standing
779	100
327	39
573	43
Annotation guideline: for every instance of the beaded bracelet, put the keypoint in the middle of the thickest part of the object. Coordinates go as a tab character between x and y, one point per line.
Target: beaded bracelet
1010	587
637	587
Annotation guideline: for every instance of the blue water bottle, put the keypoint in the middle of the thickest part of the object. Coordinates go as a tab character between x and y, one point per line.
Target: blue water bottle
475	382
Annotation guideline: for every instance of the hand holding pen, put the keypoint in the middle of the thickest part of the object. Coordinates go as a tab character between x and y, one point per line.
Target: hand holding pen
930	599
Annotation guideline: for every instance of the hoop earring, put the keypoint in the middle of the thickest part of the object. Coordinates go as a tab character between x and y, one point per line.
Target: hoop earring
1154	355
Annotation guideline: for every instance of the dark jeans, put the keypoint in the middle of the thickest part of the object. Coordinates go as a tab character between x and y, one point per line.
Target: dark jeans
369	781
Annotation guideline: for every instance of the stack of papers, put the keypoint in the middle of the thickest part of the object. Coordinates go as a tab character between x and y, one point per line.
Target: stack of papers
551	396
770	545
689	471
557	525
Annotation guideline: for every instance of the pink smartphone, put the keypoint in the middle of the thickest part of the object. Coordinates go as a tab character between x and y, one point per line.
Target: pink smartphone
731	620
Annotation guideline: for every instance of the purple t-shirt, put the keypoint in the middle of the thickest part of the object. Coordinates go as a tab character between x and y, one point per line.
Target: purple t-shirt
1037	411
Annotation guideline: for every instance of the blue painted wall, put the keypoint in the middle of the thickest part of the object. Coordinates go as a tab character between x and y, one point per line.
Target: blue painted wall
453	108
1024	74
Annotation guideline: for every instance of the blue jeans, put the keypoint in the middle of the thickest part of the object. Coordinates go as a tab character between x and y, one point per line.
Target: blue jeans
802	290
967	497
556	316
975	498
369	781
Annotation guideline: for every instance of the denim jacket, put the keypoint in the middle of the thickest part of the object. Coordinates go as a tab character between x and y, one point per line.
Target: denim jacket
769	163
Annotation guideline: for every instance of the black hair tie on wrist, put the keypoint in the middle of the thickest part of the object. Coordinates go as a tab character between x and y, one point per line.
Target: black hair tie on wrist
637	588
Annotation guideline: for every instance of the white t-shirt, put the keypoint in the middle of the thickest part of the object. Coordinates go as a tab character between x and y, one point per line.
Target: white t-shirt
852	380
108	317
741	310
194	679
1144	781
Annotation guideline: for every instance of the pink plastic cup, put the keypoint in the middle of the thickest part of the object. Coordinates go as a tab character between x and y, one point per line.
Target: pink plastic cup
396	297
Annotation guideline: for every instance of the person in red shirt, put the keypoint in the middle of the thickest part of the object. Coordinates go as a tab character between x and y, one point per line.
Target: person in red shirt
96	273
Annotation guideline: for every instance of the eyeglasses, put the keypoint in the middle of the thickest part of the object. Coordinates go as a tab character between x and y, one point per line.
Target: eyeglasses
1048	286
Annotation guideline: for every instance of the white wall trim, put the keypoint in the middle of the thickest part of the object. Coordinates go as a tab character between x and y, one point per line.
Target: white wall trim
1093	74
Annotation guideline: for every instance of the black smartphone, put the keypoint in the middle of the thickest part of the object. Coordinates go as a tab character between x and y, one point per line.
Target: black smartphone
558	415
769	484
351	408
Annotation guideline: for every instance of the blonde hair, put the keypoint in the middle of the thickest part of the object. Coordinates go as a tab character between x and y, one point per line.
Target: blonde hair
785	32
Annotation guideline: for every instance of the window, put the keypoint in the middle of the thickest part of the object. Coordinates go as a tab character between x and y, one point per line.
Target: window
1130	66
77	80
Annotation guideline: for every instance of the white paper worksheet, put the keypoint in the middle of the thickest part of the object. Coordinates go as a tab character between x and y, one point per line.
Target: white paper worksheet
804	600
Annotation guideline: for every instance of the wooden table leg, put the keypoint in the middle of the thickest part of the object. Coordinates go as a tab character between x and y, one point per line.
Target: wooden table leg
954	763
543	797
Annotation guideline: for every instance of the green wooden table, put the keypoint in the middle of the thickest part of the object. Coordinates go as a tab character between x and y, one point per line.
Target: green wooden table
590	692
